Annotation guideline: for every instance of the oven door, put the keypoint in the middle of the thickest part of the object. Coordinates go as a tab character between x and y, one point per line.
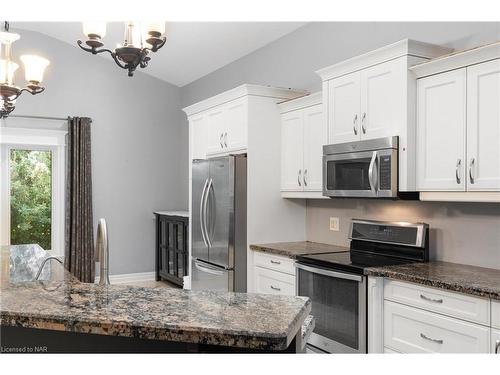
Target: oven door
358	174
338	306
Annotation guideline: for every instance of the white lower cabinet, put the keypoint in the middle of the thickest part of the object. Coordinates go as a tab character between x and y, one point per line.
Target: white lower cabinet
495	314
411	330
495	341
273	282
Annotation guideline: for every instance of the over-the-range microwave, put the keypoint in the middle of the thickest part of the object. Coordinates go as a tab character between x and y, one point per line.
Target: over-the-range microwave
362	169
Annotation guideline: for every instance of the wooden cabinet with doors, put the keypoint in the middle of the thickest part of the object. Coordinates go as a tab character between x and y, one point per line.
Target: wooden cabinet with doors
458	126
373	96
171	246
303	134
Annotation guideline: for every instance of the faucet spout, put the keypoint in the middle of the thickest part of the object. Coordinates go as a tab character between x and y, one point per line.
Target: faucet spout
102	252
43	265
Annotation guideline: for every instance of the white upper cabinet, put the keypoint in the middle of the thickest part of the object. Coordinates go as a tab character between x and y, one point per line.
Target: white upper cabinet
315	136
344	97
236	125
373	96
291	151
198	131
483	126
441	131
303	134
216	127
458	129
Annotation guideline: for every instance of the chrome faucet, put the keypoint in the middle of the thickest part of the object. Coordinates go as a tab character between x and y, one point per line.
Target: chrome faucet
43	264
102	252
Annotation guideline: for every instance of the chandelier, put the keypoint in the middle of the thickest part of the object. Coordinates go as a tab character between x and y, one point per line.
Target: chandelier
139	41
34	67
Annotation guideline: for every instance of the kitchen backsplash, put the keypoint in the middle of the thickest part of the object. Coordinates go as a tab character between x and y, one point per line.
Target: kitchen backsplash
460	232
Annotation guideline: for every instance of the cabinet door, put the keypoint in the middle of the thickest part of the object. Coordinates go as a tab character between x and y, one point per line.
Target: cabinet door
382	96
483	126
495	341
291	151
441	132
315	136
216	129
198	135
236	119
343	108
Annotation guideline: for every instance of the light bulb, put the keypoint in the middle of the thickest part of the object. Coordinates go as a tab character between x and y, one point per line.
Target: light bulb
34	67
153	29
92	28
7	70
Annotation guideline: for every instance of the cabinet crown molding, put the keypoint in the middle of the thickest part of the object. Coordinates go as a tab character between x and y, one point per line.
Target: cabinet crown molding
457	60
405	47
240	91
301	102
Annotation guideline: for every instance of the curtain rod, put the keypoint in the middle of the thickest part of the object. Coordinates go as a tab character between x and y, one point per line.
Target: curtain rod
41	117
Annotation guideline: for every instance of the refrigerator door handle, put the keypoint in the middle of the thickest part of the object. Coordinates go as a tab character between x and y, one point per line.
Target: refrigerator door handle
211	212
207	269
202	217
205	212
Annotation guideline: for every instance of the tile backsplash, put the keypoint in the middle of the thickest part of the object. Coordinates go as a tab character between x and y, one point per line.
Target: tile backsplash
459	232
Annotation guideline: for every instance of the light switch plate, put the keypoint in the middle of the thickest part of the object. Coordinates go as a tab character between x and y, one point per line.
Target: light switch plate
334	224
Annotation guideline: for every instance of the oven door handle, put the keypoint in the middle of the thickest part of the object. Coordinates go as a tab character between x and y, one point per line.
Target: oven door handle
321	271
372	173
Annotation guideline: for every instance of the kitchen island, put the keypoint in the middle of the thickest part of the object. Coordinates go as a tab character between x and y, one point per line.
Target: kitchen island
66	315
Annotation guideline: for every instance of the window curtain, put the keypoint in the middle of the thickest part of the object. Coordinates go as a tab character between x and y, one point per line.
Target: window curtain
79	249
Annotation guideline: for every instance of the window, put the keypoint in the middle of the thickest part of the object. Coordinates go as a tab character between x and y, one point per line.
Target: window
32	184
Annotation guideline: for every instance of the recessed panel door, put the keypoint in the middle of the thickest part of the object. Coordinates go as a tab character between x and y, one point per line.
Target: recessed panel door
315	136
292	151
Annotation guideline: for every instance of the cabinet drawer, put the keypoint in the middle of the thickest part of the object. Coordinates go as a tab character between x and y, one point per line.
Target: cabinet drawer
273	282
274	262
495	314
457	305
495	341
412	330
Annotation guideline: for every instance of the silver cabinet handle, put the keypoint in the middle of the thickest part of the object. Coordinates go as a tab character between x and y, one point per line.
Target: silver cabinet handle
354	122
275	288
225	139
220	140
298	177
471	166
275	262
457	171
431	299
372	173
497	346
437	341
363	123
305	177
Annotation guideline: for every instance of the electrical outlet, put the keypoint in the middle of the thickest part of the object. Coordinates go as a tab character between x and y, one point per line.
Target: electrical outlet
334	224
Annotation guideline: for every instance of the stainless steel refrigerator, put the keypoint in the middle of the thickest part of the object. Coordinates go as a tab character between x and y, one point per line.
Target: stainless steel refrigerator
219	238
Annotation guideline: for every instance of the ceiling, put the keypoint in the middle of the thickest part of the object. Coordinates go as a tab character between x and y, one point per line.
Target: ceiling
193	49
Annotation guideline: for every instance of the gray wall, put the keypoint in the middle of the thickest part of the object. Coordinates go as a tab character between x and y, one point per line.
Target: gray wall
136	132
467	232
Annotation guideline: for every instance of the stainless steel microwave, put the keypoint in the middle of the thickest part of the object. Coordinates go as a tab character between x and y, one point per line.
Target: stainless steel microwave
361	169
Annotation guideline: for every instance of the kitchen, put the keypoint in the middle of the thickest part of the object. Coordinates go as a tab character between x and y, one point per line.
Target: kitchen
362	205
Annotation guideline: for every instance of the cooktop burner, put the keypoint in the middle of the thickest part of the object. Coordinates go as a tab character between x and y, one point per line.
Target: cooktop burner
351	261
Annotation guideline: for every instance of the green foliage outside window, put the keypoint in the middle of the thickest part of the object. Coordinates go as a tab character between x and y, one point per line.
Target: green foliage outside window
31	197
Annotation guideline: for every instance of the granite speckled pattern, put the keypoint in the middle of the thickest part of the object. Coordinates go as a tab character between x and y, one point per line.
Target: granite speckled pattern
253	321
294	249
479	281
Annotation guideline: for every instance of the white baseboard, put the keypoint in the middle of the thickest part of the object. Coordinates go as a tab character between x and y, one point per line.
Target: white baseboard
130	278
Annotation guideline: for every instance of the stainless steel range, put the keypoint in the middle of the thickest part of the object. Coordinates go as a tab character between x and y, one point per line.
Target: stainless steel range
337	286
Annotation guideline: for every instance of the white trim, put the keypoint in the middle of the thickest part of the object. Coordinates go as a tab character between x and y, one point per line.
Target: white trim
300	103
240	91
461	196
405	47
458	60
130	278
303	195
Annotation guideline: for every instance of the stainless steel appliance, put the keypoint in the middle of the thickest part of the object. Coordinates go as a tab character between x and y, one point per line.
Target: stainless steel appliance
361	169
337	286
219	243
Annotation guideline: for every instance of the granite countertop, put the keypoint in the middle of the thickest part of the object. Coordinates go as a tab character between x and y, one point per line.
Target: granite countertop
173	213
479	281
254	321
294	249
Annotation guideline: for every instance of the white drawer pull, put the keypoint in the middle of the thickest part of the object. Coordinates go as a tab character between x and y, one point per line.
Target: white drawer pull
431	299
275	288
431	339
275	262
